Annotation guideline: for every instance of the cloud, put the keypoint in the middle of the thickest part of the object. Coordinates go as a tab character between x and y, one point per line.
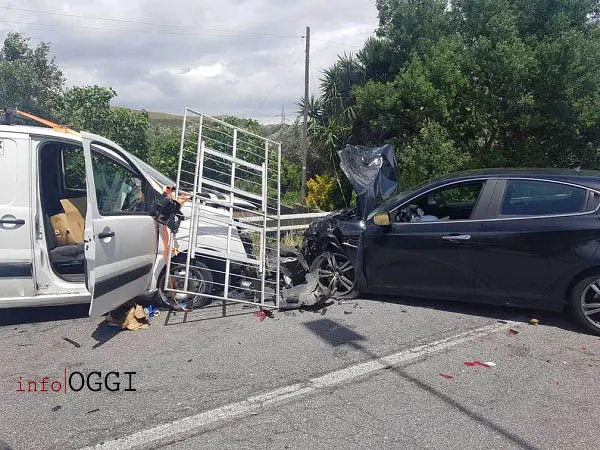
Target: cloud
242	57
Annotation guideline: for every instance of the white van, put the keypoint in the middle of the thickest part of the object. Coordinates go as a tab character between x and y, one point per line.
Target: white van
112	249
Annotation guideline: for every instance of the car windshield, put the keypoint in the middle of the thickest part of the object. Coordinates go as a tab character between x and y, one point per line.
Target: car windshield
148	169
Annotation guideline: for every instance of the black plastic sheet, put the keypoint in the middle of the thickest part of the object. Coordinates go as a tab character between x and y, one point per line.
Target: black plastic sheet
372	173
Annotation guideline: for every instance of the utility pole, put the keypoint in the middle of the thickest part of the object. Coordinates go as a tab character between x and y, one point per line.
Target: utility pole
305	127
282	115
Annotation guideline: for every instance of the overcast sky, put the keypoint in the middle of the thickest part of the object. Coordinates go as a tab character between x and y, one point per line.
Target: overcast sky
226	66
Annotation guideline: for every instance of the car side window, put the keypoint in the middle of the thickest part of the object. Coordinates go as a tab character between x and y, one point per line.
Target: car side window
541	198
456	202
118	189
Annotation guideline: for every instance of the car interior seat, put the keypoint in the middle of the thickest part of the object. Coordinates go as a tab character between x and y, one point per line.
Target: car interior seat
66	258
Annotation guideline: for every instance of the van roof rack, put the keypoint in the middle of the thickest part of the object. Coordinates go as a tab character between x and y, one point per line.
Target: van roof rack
8	113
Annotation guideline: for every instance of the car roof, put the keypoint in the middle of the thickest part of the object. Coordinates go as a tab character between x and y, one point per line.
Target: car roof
588	178
38	131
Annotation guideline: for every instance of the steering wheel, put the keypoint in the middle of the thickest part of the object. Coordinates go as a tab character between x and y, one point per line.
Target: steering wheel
411	214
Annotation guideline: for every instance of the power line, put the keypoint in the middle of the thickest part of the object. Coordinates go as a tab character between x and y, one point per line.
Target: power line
108	19
75	27
277	85
230	33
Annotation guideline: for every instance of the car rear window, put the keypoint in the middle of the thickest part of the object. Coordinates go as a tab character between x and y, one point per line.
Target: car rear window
541	198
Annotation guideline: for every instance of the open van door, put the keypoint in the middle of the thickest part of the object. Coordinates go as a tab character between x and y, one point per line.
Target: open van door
120	236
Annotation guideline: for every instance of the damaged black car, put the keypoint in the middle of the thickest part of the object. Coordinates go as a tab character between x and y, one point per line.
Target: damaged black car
514	237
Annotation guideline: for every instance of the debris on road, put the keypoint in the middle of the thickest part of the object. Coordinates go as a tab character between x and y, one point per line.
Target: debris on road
262	315
491	364
93	411
511	331
71	341
446	376
134	319
56	408
477	363
533	321
151	311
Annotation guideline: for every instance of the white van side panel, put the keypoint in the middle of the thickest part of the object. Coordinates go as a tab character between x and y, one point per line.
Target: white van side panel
16	224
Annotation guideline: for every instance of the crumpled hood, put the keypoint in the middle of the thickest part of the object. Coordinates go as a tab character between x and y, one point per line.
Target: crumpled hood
372	173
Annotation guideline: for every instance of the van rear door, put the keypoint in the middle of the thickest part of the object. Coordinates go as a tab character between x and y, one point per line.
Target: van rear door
16	255
121	238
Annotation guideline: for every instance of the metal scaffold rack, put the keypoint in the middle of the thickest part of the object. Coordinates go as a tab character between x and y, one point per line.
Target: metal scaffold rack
231	233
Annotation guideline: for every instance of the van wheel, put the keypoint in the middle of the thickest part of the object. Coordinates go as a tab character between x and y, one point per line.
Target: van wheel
200	281
585	303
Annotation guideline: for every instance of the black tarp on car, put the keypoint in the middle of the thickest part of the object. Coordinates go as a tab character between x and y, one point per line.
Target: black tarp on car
372	173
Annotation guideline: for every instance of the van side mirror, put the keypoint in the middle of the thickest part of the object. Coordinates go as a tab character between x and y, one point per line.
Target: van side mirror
382	219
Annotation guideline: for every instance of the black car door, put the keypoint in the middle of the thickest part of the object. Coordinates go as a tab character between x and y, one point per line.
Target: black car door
538	235
429	247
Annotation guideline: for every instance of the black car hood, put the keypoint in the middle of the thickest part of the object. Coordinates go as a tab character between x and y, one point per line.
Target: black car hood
372	173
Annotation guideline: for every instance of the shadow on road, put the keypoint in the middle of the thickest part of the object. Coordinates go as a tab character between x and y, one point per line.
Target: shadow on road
554	319
211	312
104	333
336	334
21	316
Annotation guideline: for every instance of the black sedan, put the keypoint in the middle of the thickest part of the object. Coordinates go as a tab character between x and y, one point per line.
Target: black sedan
517	237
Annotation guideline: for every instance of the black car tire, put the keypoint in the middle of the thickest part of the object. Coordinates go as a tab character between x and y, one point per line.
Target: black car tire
324	261
201	272
581	294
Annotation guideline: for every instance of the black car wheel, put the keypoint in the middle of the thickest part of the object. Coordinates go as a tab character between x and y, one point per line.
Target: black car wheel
336	273
585	303
200	281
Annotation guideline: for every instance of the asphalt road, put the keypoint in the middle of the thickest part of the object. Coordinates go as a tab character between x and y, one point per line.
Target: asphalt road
305	380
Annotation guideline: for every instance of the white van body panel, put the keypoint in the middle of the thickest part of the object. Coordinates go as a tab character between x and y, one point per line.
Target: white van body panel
16	227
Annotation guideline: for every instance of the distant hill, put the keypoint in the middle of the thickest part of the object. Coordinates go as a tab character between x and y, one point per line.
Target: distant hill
164	119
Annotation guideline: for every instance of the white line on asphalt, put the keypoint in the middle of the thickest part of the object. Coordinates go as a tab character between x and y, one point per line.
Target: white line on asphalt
184	427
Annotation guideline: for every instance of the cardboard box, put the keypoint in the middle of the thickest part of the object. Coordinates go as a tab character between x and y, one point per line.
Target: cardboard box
75	210
60	223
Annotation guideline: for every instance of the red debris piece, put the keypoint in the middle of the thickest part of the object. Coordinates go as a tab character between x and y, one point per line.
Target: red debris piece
513	331
446	376
477	363
262	315
583	348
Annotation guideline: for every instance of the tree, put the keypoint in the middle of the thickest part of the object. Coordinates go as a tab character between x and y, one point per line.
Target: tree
29	79
471	83
88	108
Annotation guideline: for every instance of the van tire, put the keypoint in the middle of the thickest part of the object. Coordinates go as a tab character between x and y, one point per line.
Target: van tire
200	272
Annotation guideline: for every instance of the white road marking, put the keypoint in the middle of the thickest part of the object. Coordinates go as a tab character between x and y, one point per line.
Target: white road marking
183	427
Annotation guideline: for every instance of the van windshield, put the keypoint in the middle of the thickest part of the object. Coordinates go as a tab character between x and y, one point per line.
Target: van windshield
147	168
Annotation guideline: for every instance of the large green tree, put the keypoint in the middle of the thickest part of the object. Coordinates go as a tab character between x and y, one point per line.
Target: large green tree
470	83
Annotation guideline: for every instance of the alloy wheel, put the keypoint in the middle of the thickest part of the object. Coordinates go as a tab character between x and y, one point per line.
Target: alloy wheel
336	273
590	303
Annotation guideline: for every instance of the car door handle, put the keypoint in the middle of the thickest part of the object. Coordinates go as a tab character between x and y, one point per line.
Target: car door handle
457	237
12	221
106	234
